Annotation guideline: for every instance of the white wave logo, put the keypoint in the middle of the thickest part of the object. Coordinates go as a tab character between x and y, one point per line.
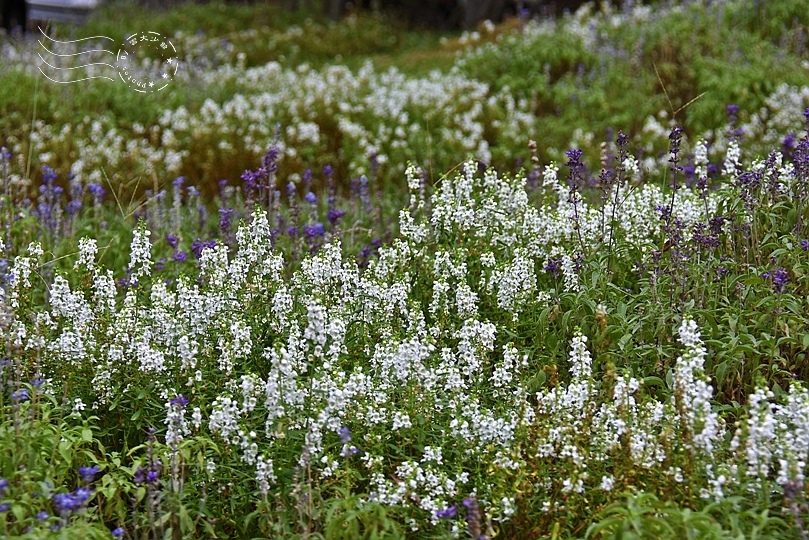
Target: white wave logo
146	61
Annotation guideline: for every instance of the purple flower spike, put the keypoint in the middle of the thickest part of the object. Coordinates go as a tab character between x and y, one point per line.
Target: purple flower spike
140	476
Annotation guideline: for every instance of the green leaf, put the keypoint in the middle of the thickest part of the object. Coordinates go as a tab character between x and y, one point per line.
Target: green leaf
65	450
186	523
19	512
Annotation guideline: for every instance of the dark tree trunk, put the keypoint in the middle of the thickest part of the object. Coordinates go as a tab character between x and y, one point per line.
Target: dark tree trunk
334	8
14	14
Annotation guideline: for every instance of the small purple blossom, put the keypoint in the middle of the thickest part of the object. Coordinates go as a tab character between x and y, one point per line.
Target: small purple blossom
447	513
732	110
73	207
5	507
198	246
118	532
172	240
345	434
20	395
68	503
96	191
314	230
311	198
780	279
88	474
180	401
42	516
335	215
179	256
554	267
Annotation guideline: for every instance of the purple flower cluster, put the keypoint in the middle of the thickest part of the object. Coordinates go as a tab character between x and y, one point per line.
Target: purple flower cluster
180	401
779	277
554	267
264	176
226	219
88	474
576	167
150	475
197	246
675	138
69	503
335	215
97	192
315	230
447	513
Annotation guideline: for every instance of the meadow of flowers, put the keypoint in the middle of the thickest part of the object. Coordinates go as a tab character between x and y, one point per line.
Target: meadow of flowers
326	303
